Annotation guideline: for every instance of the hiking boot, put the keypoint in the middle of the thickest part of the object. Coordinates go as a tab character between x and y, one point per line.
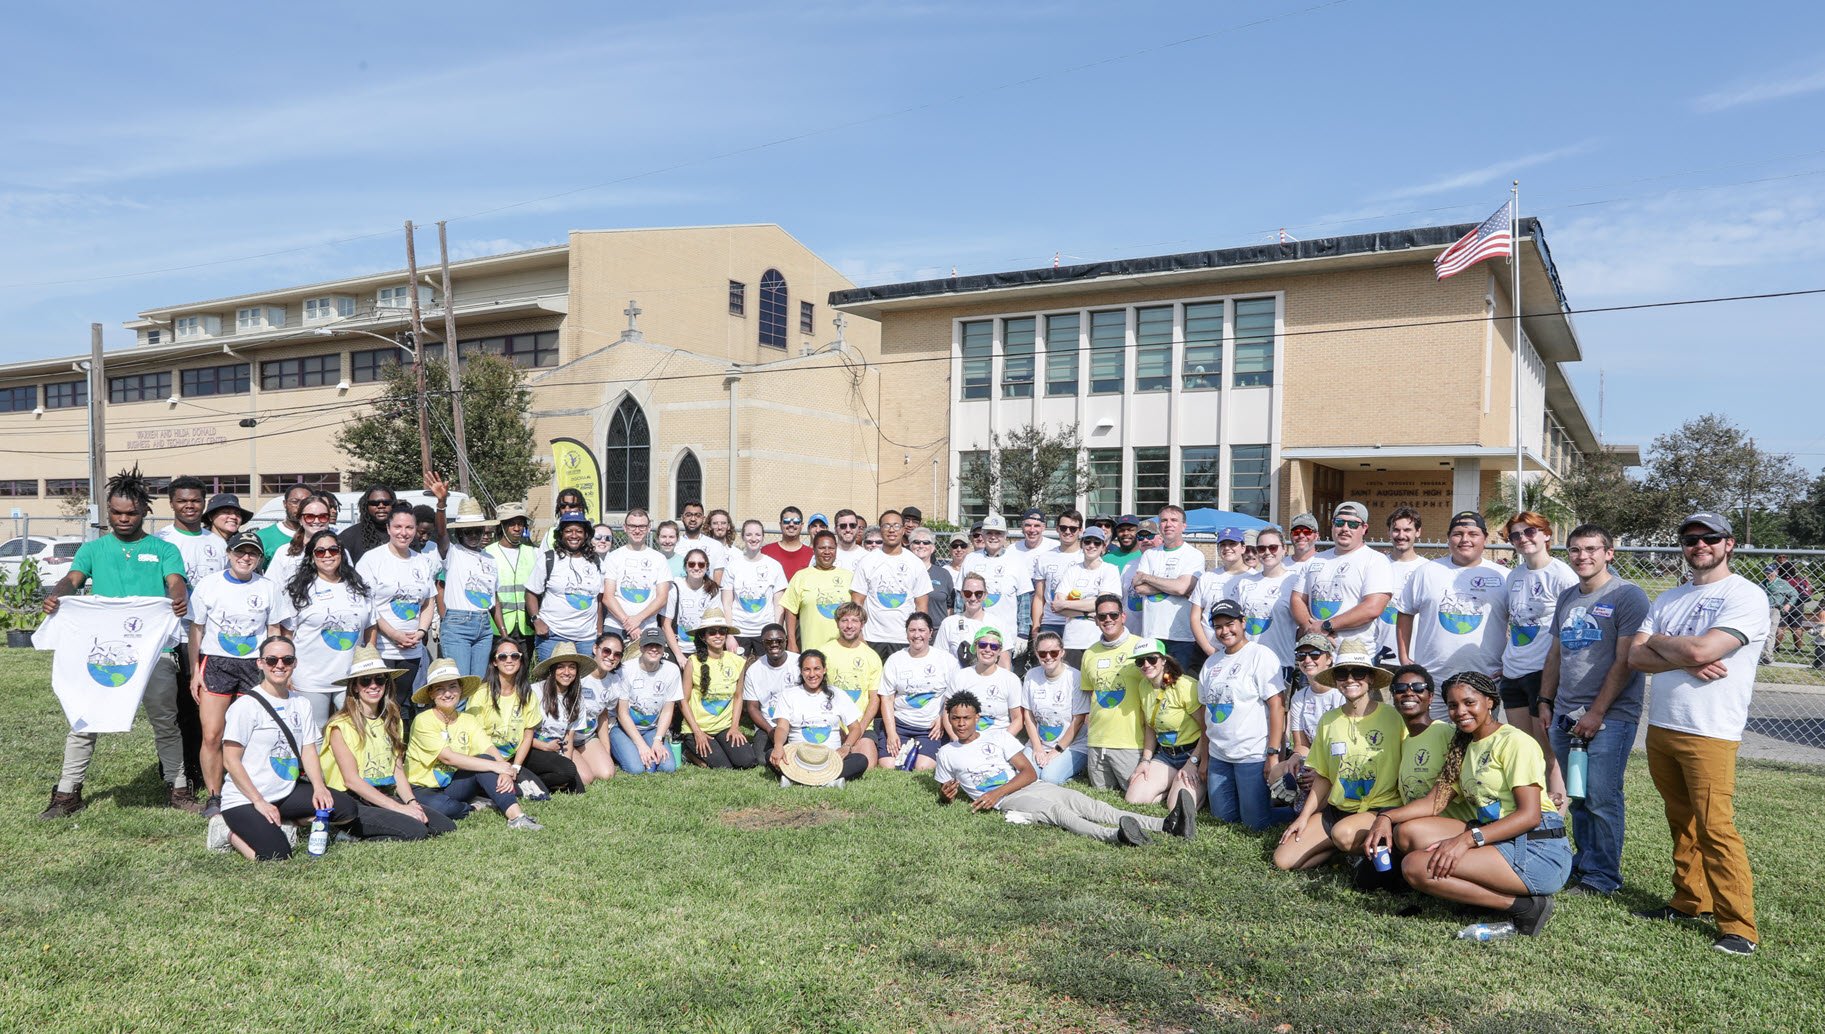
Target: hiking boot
184	799
1734	944
63	805
1532	917
212	806
1584	890
1185	810
1129	832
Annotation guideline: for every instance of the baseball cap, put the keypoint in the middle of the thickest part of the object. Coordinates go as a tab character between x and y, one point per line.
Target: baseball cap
1226	609
246	538
976	528
913	513
1094	534
1230	534
818	518
1035	513
1128	518
1150	526
1148	648
995	522
1304	520
959	539
1316	641
1352	509
1707	519
652	637
1468	517
1103	518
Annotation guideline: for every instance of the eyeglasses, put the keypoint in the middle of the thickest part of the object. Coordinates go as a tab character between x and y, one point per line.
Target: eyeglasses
1410	687
364	681
1343	522
773	642
696	567
608	654
603	538
314	518
1047	655
1109	615
508	656
987	646
280	660
1709	539
976	595
326	551
920	543
1352	674
1584	550
1524	533
874	542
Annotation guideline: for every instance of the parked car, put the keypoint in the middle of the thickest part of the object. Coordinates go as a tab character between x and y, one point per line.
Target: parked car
52	568
274	510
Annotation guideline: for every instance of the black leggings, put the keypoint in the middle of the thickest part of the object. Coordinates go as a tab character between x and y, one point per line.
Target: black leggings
722	753
855	766
373	823
267	840
555	770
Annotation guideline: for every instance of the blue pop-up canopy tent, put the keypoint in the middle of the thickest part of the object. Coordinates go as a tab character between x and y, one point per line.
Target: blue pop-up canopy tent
1207	521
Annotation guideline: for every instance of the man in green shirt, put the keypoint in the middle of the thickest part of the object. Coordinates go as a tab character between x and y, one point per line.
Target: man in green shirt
128	562
277	536
1124	550
1784	610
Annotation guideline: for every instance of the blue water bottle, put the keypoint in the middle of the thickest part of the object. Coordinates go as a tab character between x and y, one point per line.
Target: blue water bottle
1577	762
320	834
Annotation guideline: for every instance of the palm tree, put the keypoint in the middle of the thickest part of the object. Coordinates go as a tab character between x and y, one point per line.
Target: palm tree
1537	496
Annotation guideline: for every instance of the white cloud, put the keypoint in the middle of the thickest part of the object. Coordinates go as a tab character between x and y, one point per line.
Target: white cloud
1487	174
1808	77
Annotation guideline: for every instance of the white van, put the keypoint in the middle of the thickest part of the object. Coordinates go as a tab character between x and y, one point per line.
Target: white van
274	510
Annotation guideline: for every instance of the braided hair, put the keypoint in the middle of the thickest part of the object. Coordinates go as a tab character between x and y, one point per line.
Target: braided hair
1445	788
131	485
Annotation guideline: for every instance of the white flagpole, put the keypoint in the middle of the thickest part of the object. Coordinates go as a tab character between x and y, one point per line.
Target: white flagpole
1514	264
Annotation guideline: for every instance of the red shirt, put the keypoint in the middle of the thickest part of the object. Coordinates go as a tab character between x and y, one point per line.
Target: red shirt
793	562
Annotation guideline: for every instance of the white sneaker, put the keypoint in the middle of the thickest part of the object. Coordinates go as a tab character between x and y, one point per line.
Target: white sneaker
1018	818
525	822
216	839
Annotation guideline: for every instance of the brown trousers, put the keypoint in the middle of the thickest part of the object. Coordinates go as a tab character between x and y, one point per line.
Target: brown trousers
1696	776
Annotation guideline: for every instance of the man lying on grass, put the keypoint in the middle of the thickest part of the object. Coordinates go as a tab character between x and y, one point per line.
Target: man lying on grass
994	770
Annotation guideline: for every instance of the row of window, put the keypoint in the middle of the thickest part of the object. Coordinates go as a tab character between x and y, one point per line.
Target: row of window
255	318
1151	487
774	306
235	484
1183	336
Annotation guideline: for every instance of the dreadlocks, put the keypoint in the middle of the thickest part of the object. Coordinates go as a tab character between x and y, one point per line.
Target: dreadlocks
131	485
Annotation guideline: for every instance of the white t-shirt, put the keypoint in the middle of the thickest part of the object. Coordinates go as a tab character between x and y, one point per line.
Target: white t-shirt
755	585
599	694
1209	588
1309	705
998	691
686	606
1077	582
1267	612
1679	700
647	692
983	764
324	632
848	558
890	587
284	565
106	648
717	553
470	579
569	596
1386	636
1460	618
1533	597
1164	616
916	685
1234	689
1019	545
234	615
268	759
762	683
1048	565
1335	582
956	632
204	553
822	717
399	588
1051	703
633	575
1008	575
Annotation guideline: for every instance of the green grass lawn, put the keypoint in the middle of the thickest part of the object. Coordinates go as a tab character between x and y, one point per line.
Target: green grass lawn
719	902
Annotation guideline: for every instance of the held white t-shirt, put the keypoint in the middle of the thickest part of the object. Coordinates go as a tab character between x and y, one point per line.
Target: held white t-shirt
1234	689
890	588
1267	612
234	615
470	579
1078	582
998	692
1164	616
632	575
1335	582
569	596
822	717
266	756
105	648
324	632
916	685
754	585
1051	703
399	587
1533	596
979	766
1460	618
1008	575
1679	700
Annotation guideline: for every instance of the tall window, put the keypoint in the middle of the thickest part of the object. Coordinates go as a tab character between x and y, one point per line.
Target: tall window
1106	467
688	485
971	504
1017	358
1249	480
1201	476
1203	346
807	318
1061	354
772	309
738	298
1153	348
1254	343
978	358
1152	479
66	394
1108	344
629	447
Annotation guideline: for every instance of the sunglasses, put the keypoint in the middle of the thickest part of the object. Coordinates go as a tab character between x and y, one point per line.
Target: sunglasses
1093	543
1353	674
1410	687
608	653
1150	659
1346	523
791	522
1048	655
1108	616
380	502
1275	548
1524	533
874	542
314	518
602	538
696	567
509	656
280	661
960	545
976	595
1306	655
365	681
1070	527
1711	539
987	647
326	551
847	525
772	642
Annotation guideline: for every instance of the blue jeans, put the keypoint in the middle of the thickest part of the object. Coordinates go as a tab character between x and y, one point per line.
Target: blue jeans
453	798
1023	616
1237	794
627	754
1068	765
1597	818
543	646
1186	652
468	635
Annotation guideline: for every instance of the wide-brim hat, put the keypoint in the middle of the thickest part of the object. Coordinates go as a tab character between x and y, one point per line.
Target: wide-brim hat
444	670
510	512
469	514
811	764
367	662
224	501
1354	653
565	653
713	620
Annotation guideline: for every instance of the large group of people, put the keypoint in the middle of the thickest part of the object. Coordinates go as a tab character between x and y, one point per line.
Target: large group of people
1418	718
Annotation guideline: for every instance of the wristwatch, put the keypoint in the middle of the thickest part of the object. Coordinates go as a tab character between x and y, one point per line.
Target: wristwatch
1326	625
1275	752
1476	835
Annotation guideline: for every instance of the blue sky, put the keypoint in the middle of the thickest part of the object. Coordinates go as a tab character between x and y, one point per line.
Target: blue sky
157	157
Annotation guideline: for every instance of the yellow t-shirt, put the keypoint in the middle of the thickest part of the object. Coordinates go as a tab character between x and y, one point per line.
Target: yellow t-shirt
368	742
1174	712
430	736
1360	757
814	596
1116	716
507	720
1421	758
713	708
855	670
1494	766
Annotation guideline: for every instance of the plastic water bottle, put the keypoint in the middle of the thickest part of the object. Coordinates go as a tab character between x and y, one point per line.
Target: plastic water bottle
1577	762
320	834
1383	860
1487	932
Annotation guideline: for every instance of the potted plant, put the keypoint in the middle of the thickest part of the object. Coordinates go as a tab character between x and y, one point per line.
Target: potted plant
20	605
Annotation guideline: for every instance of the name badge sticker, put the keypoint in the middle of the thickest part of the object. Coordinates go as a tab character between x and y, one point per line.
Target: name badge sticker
1603	610
1339	749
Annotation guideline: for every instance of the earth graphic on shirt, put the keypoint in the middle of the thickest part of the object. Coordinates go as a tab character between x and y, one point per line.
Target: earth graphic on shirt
405	608
1459	615
1326	609
984	723
751	604
478	589
1389	615
239	635
1357	781
816	733
1489	812
580	600
643	718
1256	626
828	602
891	600
629	593
111	664
984	779
1167	737
715	705
989	601
1579	631
1050	733
1220	712
284	767
340	630
920	700
1110	697
1134	603
1521	635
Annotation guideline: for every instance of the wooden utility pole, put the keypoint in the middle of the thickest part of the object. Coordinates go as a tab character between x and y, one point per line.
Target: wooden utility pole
98	440
455	361
1748	535
418	353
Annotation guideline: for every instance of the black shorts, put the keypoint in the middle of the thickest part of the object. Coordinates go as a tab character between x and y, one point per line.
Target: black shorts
1521	694
227	676
1332	815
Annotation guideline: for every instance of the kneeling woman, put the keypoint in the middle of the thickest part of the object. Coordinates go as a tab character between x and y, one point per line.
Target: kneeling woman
269	738
811	712
650	689
450	758
1174	728
573	710
1512	857
364	750
713	708
1355	763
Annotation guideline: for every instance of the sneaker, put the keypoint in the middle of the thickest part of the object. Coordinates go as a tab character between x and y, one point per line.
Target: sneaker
1585	890
63	805
1129	832
183	798
525	822
1186	812
1018	818
212	805
216	839
1669	914
1734	944
1532	919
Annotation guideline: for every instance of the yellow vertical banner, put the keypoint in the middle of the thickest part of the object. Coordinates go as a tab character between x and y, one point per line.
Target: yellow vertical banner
574	466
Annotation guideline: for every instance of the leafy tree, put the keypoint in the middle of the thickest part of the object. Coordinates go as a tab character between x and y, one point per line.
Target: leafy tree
1709	463
1538	495
382	443
1804	520
1030	467
1600	491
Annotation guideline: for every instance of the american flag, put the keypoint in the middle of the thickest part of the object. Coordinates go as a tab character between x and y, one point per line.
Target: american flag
1492	237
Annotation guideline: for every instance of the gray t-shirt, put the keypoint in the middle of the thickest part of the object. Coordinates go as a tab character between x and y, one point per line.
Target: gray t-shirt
1588	628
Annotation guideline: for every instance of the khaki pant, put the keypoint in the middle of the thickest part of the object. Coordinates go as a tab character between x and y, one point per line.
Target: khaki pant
1069	810
1696	776
160	703
1110	768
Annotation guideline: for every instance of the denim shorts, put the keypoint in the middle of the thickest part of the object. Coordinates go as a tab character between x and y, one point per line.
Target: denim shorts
1543	865
1177	757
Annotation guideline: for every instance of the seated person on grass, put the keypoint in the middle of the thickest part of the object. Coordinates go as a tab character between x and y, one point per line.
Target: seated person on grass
1355	763
364	753
450	759
812	712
